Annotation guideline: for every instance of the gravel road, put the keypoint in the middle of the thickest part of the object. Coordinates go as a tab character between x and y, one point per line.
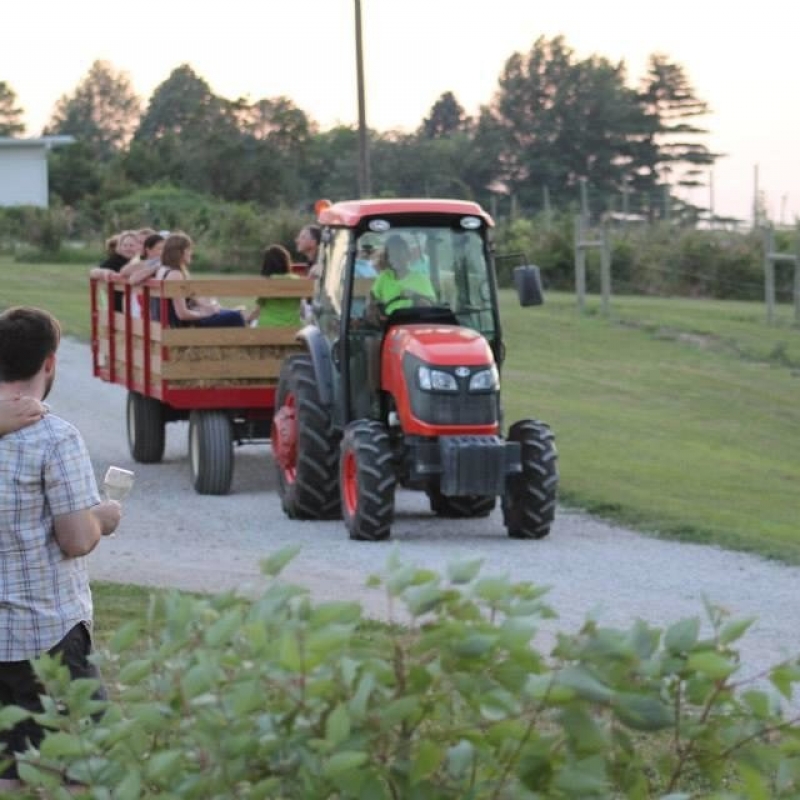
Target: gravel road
171	536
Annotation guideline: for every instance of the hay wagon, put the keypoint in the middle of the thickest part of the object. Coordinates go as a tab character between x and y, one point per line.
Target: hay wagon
222	380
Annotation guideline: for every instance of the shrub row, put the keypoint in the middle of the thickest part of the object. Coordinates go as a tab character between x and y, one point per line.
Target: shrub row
658	259
221	697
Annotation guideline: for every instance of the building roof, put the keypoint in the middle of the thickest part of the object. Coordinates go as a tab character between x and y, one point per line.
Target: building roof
47	142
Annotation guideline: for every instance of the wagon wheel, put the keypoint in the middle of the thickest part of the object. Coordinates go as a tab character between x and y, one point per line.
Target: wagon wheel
146	423
211	451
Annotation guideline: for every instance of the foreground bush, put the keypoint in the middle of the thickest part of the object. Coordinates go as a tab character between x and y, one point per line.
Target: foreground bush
280	697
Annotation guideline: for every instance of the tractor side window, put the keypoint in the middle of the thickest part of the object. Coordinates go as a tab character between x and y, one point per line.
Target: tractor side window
335	260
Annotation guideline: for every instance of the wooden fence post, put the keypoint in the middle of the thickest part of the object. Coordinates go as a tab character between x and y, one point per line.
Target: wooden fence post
769	275
580	265
605	271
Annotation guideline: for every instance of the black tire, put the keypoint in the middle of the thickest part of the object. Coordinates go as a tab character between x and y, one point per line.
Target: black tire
211	452
367	480
529	502
308	483
146	425
467	506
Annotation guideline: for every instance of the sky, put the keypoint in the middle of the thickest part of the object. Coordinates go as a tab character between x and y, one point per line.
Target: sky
740	58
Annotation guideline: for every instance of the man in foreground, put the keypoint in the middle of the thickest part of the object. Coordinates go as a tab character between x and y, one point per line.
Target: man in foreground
50	518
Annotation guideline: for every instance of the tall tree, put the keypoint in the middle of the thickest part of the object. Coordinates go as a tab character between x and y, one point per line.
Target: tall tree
103	111
446	116
669	99
11	123
556	120
182	104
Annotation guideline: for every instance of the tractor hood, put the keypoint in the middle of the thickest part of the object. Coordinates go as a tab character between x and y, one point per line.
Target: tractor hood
444	345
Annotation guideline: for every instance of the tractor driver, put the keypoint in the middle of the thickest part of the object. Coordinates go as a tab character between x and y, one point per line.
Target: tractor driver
399	286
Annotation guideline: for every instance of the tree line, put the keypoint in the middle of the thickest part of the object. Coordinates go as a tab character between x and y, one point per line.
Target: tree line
554	122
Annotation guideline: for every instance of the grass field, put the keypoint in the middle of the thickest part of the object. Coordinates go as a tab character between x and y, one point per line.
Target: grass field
680	417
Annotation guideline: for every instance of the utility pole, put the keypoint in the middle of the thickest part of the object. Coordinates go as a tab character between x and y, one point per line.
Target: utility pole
364	188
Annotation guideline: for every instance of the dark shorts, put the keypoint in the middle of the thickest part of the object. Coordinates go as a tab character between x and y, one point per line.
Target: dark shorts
20	687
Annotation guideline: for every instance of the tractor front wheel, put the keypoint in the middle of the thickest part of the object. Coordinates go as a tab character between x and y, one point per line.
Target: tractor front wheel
367	481
303	445
529	502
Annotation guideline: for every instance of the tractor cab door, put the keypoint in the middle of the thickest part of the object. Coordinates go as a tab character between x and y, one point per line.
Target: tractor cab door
341	309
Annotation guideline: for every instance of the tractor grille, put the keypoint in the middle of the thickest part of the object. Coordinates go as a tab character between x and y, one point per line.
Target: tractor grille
451	408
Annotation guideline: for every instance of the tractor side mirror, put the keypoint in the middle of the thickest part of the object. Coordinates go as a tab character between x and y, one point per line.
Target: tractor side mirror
528	283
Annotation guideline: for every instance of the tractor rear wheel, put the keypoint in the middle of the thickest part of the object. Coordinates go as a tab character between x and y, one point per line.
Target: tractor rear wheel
471	505
304	446
146	423
367	480
211	452
529	503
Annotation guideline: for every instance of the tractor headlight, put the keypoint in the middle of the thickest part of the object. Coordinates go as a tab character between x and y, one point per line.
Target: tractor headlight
435	380
484	381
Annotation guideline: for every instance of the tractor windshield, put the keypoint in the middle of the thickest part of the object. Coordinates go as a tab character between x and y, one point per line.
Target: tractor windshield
425	266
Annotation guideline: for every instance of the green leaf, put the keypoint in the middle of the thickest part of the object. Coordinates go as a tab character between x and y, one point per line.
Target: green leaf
460	758
464	571
130	787
11	715
58	744
337	725
274	564
493	589
425	761
732	631
358	705
127	635
33	776
289	652
642	713
245	698
162	764
585	778
343	612
714	665
474	645
222	631
584	684
400	709
135	671
345	761
682	636
422	599
197	680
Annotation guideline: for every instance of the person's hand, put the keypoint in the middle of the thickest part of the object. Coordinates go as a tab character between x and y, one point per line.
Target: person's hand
108	514
19	411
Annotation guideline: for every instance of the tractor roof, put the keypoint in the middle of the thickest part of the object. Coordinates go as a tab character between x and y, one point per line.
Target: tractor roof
350	212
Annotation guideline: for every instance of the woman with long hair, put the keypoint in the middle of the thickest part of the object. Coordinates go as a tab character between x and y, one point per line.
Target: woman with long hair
196	311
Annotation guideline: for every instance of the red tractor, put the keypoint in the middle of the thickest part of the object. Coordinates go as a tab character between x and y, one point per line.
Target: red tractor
400	380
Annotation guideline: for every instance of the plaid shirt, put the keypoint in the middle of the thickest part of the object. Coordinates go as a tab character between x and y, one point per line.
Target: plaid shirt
45	471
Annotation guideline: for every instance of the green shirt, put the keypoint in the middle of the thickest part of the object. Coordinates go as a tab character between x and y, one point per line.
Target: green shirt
389	290
279	312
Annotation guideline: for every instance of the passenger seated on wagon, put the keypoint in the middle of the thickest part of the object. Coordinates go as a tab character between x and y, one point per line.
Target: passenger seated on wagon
199	312
279	312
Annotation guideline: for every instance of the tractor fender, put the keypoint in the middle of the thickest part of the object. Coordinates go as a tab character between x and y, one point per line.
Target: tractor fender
319	350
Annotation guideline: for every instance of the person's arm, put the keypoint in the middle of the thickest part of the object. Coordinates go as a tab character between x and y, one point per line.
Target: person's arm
142	272
78	532
18	412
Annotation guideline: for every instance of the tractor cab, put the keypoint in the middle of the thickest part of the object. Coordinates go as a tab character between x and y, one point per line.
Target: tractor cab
387	265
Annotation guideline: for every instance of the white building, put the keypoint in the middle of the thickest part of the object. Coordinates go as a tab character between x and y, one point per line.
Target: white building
23	169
